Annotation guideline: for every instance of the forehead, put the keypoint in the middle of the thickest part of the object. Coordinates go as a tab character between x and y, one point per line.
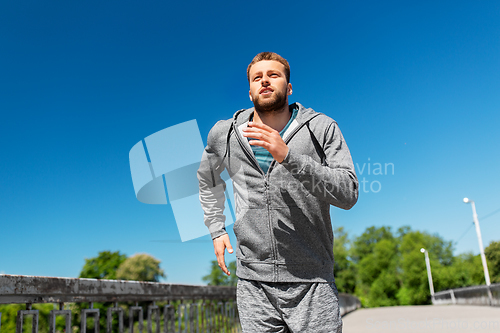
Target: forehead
267	65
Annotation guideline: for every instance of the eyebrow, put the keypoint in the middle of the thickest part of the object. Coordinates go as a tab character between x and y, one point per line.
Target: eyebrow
269	71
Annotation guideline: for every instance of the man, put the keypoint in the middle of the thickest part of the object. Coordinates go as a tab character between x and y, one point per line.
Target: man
288	164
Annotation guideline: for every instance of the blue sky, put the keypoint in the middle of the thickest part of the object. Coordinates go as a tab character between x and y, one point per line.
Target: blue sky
412	83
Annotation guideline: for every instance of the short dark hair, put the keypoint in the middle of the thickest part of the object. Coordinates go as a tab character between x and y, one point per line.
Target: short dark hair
270	56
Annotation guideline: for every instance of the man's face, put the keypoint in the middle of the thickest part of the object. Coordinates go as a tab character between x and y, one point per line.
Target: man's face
268	87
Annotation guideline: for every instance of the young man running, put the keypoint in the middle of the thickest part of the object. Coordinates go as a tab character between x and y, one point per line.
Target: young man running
288	164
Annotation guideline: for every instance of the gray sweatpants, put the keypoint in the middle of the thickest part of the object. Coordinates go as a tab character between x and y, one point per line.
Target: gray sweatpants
288	307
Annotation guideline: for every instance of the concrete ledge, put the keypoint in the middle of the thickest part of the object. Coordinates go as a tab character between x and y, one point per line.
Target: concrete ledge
475	295
38	289
348	303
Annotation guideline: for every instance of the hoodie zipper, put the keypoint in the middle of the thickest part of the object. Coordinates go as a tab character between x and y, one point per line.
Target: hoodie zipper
273	163
252	157
266	181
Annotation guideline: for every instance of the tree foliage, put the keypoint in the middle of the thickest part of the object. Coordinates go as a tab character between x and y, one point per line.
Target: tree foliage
344	268
217	278
492	253
9	316
140	267
104	266
384	268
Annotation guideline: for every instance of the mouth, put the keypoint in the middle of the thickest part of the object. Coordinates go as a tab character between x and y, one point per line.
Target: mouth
266	91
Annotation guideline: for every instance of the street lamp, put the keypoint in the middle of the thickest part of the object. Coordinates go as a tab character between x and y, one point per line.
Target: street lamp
481	249
429	275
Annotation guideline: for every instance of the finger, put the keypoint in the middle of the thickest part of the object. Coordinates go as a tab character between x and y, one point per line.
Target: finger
227	243
222	264
259	143
219	253
260	134
254	130
257	135
262	126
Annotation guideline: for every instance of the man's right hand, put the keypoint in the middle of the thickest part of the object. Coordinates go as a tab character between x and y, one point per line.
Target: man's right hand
220	244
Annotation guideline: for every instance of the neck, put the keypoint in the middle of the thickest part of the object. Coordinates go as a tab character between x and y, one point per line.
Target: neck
277	119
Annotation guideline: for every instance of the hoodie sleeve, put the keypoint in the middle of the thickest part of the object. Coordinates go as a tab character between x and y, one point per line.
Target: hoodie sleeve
212	187
335	182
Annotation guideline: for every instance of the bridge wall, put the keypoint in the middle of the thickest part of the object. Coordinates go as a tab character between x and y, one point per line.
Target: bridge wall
182	307
475	295
348	303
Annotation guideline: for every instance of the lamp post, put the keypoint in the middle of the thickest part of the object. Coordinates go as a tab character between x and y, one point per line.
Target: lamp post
429	274
480	240
481	249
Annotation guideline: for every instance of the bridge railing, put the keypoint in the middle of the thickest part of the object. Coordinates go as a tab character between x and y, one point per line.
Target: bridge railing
348	303
168	307
475	295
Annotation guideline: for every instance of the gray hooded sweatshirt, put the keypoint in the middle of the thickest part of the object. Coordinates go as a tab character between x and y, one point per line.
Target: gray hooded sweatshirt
283	227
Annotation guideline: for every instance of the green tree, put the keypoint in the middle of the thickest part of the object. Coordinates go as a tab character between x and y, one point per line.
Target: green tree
364	244
391	269
217	278
104	266
378	276
492	253
113	265
140	267
344	269
9	317
383	291
371	258
414	283
466	270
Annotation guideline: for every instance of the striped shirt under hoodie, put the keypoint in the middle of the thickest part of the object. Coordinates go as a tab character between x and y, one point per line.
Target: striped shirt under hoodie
262	155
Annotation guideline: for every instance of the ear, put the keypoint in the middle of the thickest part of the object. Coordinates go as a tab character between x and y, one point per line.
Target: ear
250	95
289	89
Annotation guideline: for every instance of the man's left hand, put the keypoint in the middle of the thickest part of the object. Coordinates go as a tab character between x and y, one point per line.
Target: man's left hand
268	138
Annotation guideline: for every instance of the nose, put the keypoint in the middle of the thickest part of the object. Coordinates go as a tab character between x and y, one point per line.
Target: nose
265	80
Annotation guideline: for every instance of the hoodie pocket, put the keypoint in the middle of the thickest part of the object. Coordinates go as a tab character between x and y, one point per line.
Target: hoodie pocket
299	239
254	235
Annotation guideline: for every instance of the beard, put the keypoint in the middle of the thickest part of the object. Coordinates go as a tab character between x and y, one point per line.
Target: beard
269	105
